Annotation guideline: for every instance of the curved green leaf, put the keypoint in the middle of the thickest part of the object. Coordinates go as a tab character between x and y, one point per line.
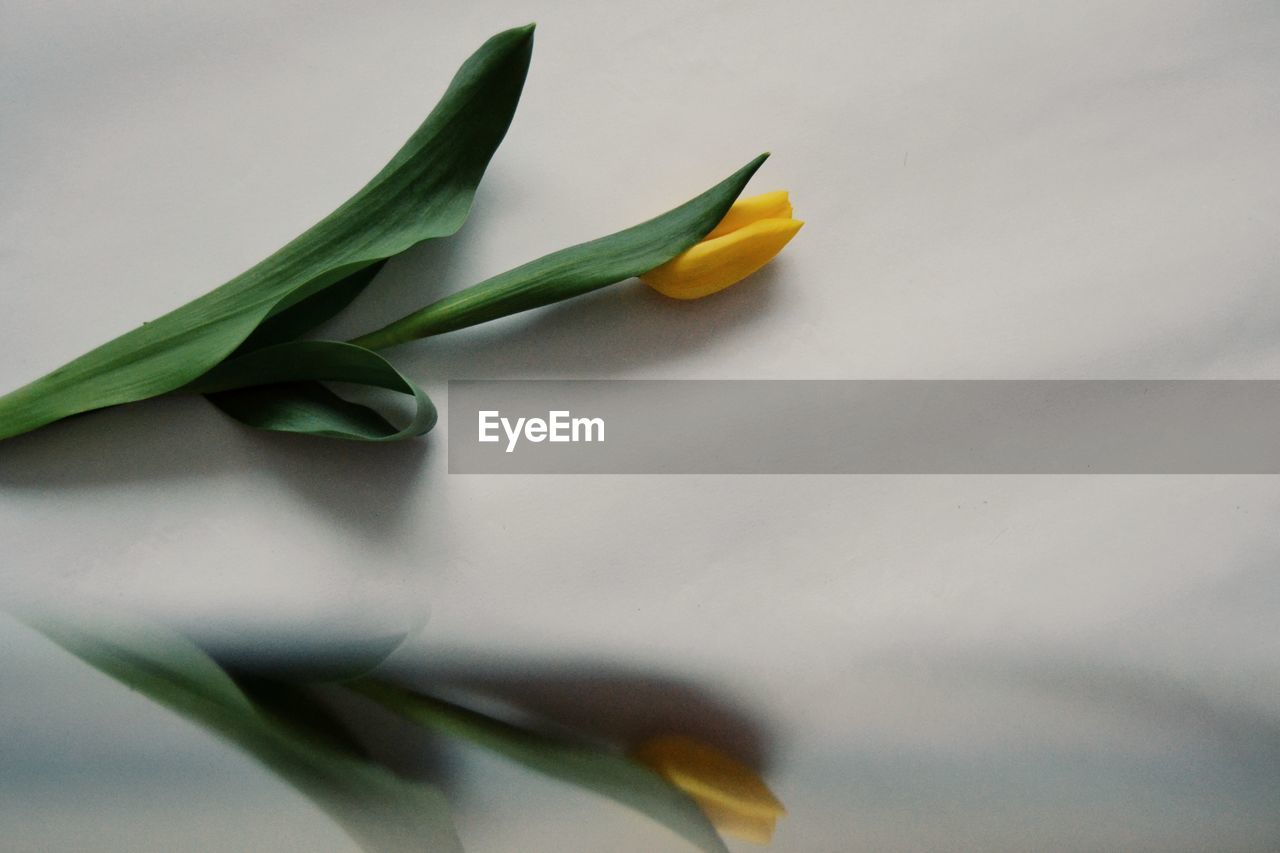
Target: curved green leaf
606	773
278	388
424	192
573	271
382	812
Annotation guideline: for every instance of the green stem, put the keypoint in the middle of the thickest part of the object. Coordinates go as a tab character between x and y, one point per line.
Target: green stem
445	717
477	304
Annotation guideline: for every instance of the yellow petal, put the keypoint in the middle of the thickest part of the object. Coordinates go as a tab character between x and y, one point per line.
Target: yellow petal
774	205
758	830
713	265
732	795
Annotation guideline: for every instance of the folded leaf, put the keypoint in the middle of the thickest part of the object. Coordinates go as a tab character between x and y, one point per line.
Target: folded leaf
574	271
298	319
278	388
382	812
424	192
305	658
606	773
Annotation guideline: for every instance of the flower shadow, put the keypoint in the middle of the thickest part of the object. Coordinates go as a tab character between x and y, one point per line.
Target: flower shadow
591	698
133	449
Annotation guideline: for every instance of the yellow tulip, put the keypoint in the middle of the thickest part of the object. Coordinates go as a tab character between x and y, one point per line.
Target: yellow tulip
751	233
732	795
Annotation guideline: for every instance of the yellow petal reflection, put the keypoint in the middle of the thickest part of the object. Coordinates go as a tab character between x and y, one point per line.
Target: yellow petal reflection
732	795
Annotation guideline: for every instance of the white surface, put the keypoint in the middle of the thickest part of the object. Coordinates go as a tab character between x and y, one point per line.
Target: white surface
993	190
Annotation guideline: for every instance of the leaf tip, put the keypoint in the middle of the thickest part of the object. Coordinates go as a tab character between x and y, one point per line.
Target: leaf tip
524	33
747	171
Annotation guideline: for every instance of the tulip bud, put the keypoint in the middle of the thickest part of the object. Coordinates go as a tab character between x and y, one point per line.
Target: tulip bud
751	233
730	794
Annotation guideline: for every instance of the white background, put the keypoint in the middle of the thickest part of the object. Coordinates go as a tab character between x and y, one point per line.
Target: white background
992	190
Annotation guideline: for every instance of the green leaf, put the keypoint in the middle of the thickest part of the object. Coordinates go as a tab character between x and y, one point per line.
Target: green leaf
382	812
573	271
307	408
278	388
606	773
300	318
424	192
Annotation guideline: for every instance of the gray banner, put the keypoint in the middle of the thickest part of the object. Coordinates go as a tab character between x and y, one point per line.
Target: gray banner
864	427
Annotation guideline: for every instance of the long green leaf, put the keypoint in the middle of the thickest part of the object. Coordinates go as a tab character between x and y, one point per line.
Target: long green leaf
606	773
425	191
574	271
278	388
382	812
